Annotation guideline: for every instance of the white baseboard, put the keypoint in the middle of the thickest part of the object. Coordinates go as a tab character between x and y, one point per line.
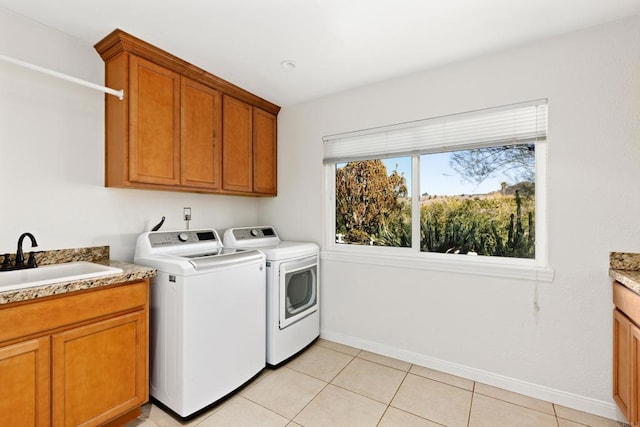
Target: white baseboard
570	400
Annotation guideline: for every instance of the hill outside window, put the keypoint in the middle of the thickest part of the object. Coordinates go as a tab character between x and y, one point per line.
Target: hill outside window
464	192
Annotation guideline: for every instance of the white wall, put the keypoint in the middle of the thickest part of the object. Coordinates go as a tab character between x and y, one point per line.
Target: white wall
488	328
52	156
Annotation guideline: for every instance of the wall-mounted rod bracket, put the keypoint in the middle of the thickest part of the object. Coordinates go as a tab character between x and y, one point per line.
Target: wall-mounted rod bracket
118	93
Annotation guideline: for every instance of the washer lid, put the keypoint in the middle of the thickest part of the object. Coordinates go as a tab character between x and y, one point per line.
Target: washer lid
223	258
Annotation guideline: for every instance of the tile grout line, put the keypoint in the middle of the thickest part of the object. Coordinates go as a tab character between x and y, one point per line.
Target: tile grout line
382	364
518	404
406	374
298	413
394	395
262	406
473	394
323	388
309	402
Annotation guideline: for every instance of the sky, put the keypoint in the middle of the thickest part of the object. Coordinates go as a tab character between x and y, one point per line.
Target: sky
437	178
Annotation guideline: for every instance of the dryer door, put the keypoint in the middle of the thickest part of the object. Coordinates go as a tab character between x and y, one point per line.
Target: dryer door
298	289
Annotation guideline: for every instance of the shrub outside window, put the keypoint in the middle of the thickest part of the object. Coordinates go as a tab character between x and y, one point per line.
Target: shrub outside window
479	201
373	203
468	187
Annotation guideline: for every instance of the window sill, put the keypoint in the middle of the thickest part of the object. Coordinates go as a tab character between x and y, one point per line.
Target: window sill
473	266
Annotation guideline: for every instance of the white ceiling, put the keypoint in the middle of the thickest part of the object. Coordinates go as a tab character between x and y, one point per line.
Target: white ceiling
337	44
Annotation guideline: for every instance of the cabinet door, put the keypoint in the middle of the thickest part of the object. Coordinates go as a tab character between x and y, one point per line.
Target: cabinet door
154	123
24	384
201	122
237	145
622	362
100	370
264	152
634	413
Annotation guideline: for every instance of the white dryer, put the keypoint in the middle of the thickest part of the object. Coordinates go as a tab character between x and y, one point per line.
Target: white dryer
293	290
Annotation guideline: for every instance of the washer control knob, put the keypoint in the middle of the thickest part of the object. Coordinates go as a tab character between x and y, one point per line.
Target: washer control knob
254	232
183	237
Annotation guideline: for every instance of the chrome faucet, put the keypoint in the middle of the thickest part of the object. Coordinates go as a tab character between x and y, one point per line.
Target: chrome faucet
19	262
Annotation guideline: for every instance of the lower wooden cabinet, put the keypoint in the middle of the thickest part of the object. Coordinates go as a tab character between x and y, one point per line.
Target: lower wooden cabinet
24	383
622	361
96	372
88	367
626	353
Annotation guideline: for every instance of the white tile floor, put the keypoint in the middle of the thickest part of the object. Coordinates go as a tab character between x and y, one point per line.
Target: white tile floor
334	385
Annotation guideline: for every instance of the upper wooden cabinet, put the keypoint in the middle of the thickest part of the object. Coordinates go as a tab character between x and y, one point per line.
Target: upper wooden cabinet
249	148
181	128
237	163
264	152
154	123
201	123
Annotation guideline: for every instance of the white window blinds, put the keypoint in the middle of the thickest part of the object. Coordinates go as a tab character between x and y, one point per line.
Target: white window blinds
510	124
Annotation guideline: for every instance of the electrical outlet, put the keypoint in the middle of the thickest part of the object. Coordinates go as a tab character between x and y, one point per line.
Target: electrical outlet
186	213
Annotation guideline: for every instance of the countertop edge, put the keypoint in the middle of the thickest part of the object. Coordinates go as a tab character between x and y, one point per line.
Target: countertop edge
629	278
130	272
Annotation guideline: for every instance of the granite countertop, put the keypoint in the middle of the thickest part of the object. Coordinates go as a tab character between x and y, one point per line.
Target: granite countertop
98	255
625	268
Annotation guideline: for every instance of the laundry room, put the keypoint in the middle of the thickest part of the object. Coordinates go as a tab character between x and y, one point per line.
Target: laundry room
436	227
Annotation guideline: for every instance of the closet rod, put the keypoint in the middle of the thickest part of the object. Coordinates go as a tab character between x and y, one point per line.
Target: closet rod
118	93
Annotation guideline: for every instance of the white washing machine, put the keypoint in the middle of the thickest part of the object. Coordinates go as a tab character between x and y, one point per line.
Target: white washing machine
207	317
293	290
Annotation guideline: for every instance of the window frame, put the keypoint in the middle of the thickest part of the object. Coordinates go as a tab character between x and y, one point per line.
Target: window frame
537	269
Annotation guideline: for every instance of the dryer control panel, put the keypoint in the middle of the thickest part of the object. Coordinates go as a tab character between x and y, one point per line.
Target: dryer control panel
249	233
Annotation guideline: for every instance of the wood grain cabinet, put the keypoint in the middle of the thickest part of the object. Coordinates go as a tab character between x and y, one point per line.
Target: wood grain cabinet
626	352
24	375
154	124
79	359
237	140
180	128
249	148
264	152
201	124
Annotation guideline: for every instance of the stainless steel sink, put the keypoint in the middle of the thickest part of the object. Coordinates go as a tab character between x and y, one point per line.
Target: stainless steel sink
54	273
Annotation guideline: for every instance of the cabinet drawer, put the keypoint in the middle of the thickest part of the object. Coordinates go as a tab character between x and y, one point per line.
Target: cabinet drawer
50	313
627	301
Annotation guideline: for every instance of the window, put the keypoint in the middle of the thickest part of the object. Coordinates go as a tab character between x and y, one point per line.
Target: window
466	188
373	202
479	201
